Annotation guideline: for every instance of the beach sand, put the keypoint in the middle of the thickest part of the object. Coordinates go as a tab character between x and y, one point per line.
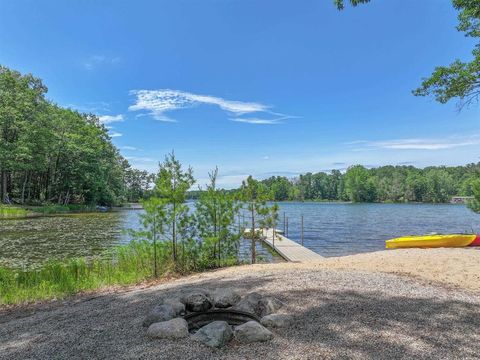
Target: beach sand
457	267
425	307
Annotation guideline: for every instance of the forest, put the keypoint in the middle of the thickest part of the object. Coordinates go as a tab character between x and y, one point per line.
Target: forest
383	184
54	155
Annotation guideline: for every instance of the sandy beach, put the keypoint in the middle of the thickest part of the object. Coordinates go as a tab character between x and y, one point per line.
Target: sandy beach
385	305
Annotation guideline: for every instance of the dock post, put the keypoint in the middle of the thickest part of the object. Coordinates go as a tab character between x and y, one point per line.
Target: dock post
302	229
286	232
284	224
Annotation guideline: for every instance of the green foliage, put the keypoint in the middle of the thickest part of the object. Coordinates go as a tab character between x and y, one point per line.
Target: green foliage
53	155
124	265
58	209
340	4
10	212
359	186
460	79
171	188
382	184
254	196
475	203
215	216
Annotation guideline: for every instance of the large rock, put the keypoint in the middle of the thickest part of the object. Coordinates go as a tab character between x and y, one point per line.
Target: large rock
176	304
216	334
225	298
172	329
198	301
252	331
250	303
276	320
269	305
159	313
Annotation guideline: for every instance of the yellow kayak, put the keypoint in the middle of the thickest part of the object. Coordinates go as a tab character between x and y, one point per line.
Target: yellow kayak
434	241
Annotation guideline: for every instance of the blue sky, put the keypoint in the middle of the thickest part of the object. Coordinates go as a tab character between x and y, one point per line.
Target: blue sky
253	87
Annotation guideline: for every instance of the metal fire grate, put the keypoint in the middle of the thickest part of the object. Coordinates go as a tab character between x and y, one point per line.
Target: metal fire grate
233	317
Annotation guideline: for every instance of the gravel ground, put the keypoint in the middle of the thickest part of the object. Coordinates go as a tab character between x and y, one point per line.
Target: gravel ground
338	314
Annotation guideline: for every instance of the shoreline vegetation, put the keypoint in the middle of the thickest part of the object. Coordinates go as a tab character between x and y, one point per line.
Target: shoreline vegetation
173	239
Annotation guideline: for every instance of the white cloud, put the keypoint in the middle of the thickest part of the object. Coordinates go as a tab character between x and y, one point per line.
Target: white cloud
95	60
256	121
114	134
140	159
126	147
158	103
417	144
266	157
107	119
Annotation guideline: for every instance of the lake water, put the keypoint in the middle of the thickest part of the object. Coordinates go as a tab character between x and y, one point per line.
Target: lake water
30	242
335	229
331	229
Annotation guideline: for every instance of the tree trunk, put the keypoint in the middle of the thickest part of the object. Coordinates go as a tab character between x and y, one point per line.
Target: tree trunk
24	186
254	255
4	187
174	235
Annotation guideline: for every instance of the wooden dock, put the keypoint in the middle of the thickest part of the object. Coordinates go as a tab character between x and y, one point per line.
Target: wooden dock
289	249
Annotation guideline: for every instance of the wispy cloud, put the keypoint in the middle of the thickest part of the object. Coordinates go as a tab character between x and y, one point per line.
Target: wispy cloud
114	134
257	121
131	148
107	119
158	103
140	159
95	60
91	107
417	143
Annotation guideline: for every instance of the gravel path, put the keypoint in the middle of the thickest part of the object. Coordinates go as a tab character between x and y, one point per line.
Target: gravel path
338	314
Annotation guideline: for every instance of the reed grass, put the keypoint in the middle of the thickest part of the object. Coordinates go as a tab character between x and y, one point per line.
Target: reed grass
58	209
11	212
128	264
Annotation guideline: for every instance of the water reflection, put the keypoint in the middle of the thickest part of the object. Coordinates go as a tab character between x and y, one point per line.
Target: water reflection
29	242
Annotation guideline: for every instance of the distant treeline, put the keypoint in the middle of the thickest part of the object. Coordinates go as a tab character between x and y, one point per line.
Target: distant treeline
49	154
382	184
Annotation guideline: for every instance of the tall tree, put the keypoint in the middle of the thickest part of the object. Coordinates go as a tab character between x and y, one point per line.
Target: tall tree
215	213
254	195
171	186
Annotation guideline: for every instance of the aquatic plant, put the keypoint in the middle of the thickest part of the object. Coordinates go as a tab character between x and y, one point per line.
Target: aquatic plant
127	264
9	212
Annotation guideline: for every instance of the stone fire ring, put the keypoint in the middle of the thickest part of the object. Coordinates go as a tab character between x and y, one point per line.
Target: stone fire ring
233	317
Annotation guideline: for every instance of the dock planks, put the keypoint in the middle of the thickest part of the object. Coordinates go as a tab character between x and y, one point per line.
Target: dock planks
289	249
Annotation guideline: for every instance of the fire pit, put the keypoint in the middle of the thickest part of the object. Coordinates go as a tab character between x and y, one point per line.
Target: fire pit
215	317
232	317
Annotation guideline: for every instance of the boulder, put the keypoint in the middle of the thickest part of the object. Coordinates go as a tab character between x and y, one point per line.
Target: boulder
269	305
172	329
159	313
176	304
252	331
224	298
198	301
276	320
216	334
250	303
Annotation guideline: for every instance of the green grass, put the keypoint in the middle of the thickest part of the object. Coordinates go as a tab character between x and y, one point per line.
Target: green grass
58	209
129	264
11	212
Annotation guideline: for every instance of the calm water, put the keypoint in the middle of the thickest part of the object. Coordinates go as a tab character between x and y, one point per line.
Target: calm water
334	229
29	242
330	229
